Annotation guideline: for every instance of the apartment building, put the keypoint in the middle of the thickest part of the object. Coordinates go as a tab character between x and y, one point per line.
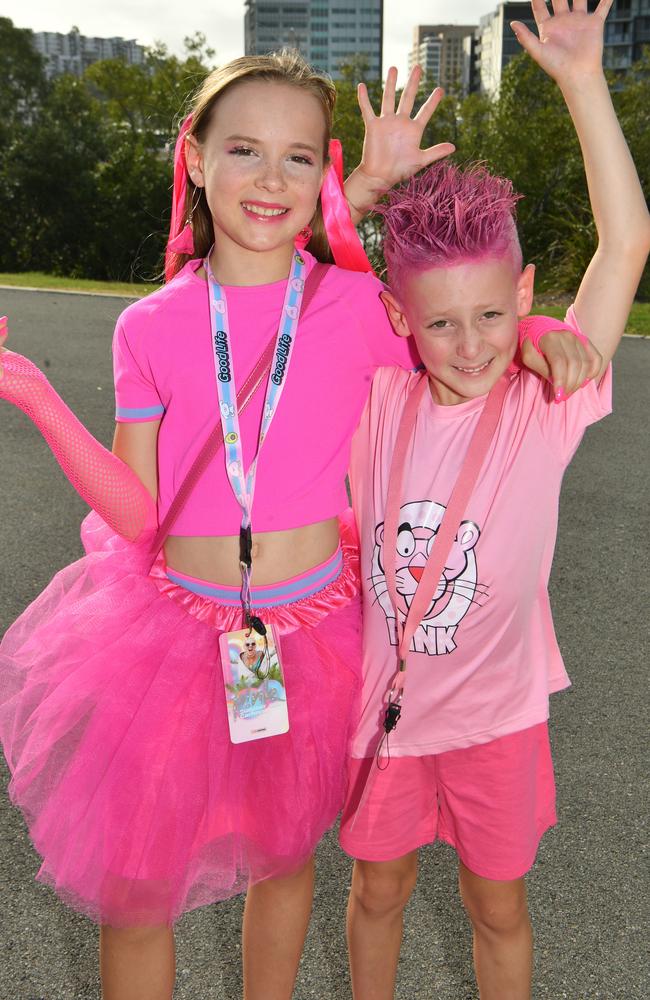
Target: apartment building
329	33
73	52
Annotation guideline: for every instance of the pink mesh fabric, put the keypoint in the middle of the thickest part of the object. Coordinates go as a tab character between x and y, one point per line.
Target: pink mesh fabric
100	478
116	736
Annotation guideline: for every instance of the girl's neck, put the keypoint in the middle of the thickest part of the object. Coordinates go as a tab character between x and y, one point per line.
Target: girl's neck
235	265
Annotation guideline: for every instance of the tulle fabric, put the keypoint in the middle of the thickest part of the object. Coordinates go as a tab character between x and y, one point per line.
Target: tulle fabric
113	721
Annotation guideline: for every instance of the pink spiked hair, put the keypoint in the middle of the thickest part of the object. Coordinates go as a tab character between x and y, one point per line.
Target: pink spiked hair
446	216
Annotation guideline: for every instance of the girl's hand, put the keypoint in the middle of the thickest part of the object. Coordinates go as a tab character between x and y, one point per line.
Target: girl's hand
570	43
567	363
391	146
20	379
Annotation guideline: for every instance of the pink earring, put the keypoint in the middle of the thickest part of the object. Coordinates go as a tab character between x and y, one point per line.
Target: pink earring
303	237
184	241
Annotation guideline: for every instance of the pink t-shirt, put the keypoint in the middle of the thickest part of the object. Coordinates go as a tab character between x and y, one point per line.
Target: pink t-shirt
164	370
485	656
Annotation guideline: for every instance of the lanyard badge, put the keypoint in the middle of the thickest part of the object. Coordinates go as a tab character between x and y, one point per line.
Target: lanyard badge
264	667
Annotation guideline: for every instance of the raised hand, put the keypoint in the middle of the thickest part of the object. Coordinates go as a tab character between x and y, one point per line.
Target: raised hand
392	144
570	43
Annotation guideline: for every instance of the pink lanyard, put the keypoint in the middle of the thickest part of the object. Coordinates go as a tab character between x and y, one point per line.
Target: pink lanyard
461	493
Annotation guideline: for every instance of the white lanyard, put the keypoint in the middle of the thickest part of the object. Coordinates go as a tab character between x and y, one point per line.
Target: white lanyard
242	482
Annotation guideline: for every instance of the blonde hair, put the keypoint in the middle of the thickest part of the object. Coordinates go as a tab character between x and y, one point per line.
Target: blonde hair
287	67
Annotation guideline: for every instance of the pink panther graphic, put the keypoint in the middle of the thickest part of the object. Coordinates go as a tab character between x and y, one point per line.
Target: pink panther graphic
457	589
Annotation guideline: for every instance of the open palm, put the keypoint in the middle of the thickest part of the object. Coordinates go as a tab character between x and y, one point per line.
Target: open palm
570	42
391	147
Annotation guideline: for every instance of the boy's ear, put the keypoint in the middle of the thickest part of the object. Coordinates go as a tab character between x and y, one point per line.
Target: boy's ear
194	160
525	290
396	314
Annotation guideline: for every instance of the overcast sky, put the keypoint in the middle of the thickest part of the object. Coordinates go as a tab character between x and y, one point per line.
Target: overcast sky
221	20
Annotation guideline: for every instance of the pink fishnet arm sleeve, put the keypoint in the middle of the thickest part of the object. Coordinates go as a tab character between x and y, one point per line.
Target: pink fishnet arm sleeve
100	478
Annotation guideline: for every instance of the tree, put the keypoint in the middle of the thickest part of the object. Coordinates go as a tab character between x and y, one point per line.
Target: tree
51	176
23	83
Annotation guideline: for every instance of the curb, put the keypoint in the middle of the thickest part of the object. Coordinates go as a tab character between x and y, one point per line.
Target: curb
69	291
122	295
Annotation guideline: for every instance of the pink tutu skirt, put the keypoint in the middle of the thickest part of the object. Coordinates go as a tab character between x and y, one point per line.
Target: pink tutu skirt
113	721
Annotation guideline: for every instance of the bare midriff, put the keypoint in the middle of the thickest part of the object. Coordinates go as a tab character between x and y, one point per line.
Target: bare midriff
277	555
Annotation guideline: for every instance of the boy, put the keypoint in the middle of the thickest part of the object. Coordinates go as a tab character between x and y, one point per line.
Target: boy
469	759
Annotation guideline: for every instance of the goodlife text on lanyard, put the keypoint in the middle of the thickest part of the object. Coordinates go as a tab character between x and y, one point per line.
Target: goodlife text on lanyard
455	510
242	482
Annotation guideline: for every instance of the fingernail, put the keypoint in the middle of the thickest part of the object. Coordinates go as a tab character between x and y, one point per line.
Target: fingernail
560	395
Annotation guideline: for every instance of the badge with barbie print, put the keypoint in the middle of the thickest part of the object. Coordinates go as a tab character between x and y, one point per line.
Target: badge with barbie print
256	697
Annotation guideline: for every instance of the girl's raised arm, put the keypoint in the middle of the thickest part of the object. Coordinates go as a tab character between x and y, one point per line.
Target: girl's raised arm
102	479
570	50
392	142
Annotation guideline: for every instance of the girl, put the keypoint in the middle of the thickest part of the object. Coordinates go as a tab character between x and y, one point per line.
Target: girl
113	711
469	759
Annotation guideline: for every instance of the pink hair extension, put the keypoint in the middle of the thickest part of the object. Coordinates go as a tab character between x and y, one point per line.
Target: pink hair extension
446	216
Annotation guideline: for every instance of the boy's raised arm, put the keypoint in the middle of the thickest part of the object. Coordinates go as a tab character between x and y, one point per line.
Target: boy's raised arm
570	49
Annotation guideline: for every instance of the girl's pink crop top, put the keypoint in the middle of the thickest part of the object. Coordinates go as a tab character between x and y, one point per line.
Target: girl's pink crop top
164	370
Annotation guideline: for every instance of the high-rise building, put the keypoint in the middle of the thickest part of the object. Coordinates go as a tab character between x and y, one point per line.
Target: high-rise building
444	53
73	52
496	44
328	33
626	32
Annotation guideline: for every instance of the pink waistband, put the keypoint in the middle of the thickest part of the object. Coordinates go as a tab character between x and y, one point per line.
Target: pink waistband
270	595
302	602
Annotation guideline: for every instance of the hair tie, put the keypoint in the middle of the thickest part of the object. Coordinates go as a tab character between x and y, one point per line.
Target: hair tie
342	235
180	231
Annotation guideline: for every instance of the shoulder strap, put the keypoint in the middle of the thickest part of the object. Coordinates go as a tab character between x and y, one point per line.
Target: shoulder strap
460	495
214	441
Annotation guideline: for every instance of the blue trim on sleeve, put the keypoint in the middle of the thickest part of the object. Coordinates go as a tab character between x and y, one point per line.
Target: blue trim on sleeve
138	412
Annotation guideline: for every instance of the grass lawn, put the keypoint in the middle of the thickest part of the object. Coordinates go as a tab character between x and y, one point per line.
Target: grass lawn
550	304
556	306
36	279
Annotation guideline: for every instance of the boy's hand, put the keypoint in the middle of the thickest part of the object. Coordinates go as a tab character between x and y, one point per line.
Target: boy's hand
566	363
391	146
570	43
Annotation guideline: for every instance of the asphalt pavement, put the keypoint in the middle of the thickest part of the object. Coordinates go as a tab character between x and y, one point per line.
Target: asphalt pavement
589	889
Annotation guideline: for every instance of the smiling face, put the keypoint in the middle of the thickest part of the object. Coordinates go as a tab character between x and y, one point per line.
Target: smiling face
464	321
261	164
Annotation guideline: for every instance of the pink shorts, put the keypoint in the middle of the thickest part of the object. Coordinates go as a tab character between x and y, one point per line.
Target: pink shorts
491	802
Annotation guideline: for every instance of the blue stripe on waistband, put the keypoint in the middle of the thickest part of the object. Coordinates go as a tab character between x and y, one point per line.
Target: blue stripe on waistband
275	594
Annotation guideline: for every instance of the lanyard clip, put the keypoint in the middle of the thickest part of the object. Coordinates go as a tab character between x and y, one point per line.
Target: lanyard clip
392	713
246	547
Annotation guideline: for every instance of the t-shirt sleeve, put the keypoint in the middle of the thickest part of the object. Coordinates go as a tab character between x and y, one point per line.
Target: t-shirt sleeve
563	424
136	395
385	348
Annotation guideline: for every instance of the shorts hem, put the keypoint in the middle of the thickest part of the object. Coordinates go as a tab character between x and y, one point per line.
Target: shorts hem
503	874
379	855
392	854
